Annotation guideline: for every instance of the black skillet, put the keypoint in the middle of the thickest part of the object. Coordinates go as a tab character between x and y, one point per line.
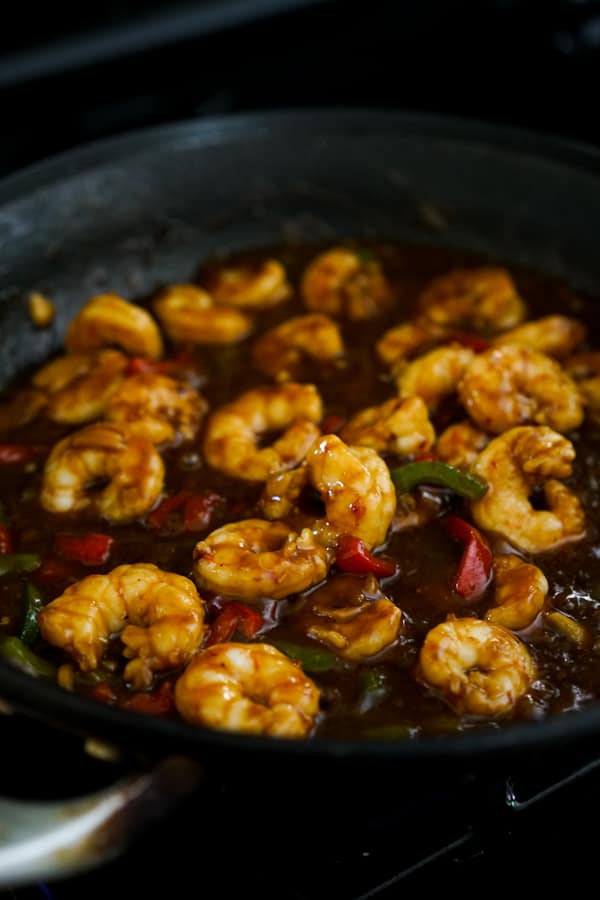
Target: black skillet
131	213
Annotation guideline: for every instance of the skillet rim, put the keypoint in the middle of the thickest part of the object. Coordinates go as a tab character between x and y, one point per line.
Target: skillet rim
46	700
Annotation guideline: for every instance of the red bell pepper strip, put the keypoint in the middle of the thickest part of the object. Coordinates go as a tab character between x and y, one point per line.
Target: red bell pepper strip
476	562
235	616
89	549
160	516
198	510
475	342
159	702
16	453
103	692
332	424
53	573
7	544
352	556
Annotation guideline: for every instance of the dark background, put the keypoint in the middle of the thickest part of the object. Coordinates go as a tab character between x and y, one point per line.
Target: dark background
72	73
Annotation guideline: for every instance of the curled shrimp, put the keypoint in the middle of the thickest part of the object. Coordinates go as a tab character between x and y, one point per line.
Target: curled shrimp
104	452
343	282
396	426
187	313
22	408
460	444
479	668
520	590
233	432
280	351
434	375
158	616
78	387
513	465
485	299
108	320
553	335
513	385
355	623
247	688
259	285
404	341
253	559
584	369
157	407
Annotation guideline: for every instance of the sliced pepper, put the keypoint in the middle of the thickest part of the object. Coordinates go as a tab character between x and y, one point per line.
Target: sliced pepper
312	659
410	475
16	453
14	651
90	549
235	616
475	566
19	562
159	702
352	556
32	603
6	539
474	342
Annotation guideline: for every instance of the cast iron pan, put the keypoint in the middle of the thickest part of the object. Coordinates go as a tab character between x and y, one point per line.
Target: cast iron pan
129	214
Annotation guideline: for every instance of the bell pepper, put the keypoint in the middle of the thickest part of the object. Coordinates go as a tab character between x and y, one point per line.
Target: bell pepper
332	423
90	549
312	659
6	539
195	510
475	566
53	573
474	342
14	651
235	616
32	603
19	562
410	475
352	556
159	702
16	453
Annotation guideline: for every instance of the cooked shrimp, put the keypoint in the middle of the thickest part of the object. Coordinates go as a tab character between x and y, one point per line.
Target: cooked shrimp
157	407
250	286
78	387
396	426
356	624
512	385
485	299
479	668
233	432
460	444
282	491
512	465
584	369
402	342
158	615
520	590
280	351
356	488
187	313
96	454
342	282
108	320
21	409
434	375
552	335
247	688
253	559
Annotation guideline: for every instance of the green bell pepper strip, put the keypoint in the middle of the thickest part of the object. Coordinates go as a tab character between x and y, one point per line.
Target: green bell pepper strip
408	476
32	603
19	562
14	651
312	659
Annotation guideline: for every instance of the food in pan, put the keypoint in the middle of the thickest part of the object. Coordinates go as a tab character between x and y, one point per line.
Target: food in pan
345	492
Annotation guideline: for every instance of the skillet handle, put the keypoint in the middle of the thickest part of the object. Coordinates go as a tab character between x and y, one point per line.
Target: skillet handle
46	841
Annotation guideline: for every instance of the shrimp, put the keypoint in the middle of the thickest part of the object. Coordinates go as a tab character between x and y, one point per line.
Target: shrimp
434	375
187	313
460	444
21	409
252	286
512	465
584	369
96	454
341	282
253	559
78	387
479	668
355	623
552	335
485	299
158	615
157	407
233	432
108	320
280	351
247	688
402	342
396	426
512	385
520	590
356	488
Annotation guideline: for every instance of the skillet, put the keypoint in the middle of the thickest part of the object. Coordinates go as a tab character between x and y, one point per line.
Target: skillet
133	212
